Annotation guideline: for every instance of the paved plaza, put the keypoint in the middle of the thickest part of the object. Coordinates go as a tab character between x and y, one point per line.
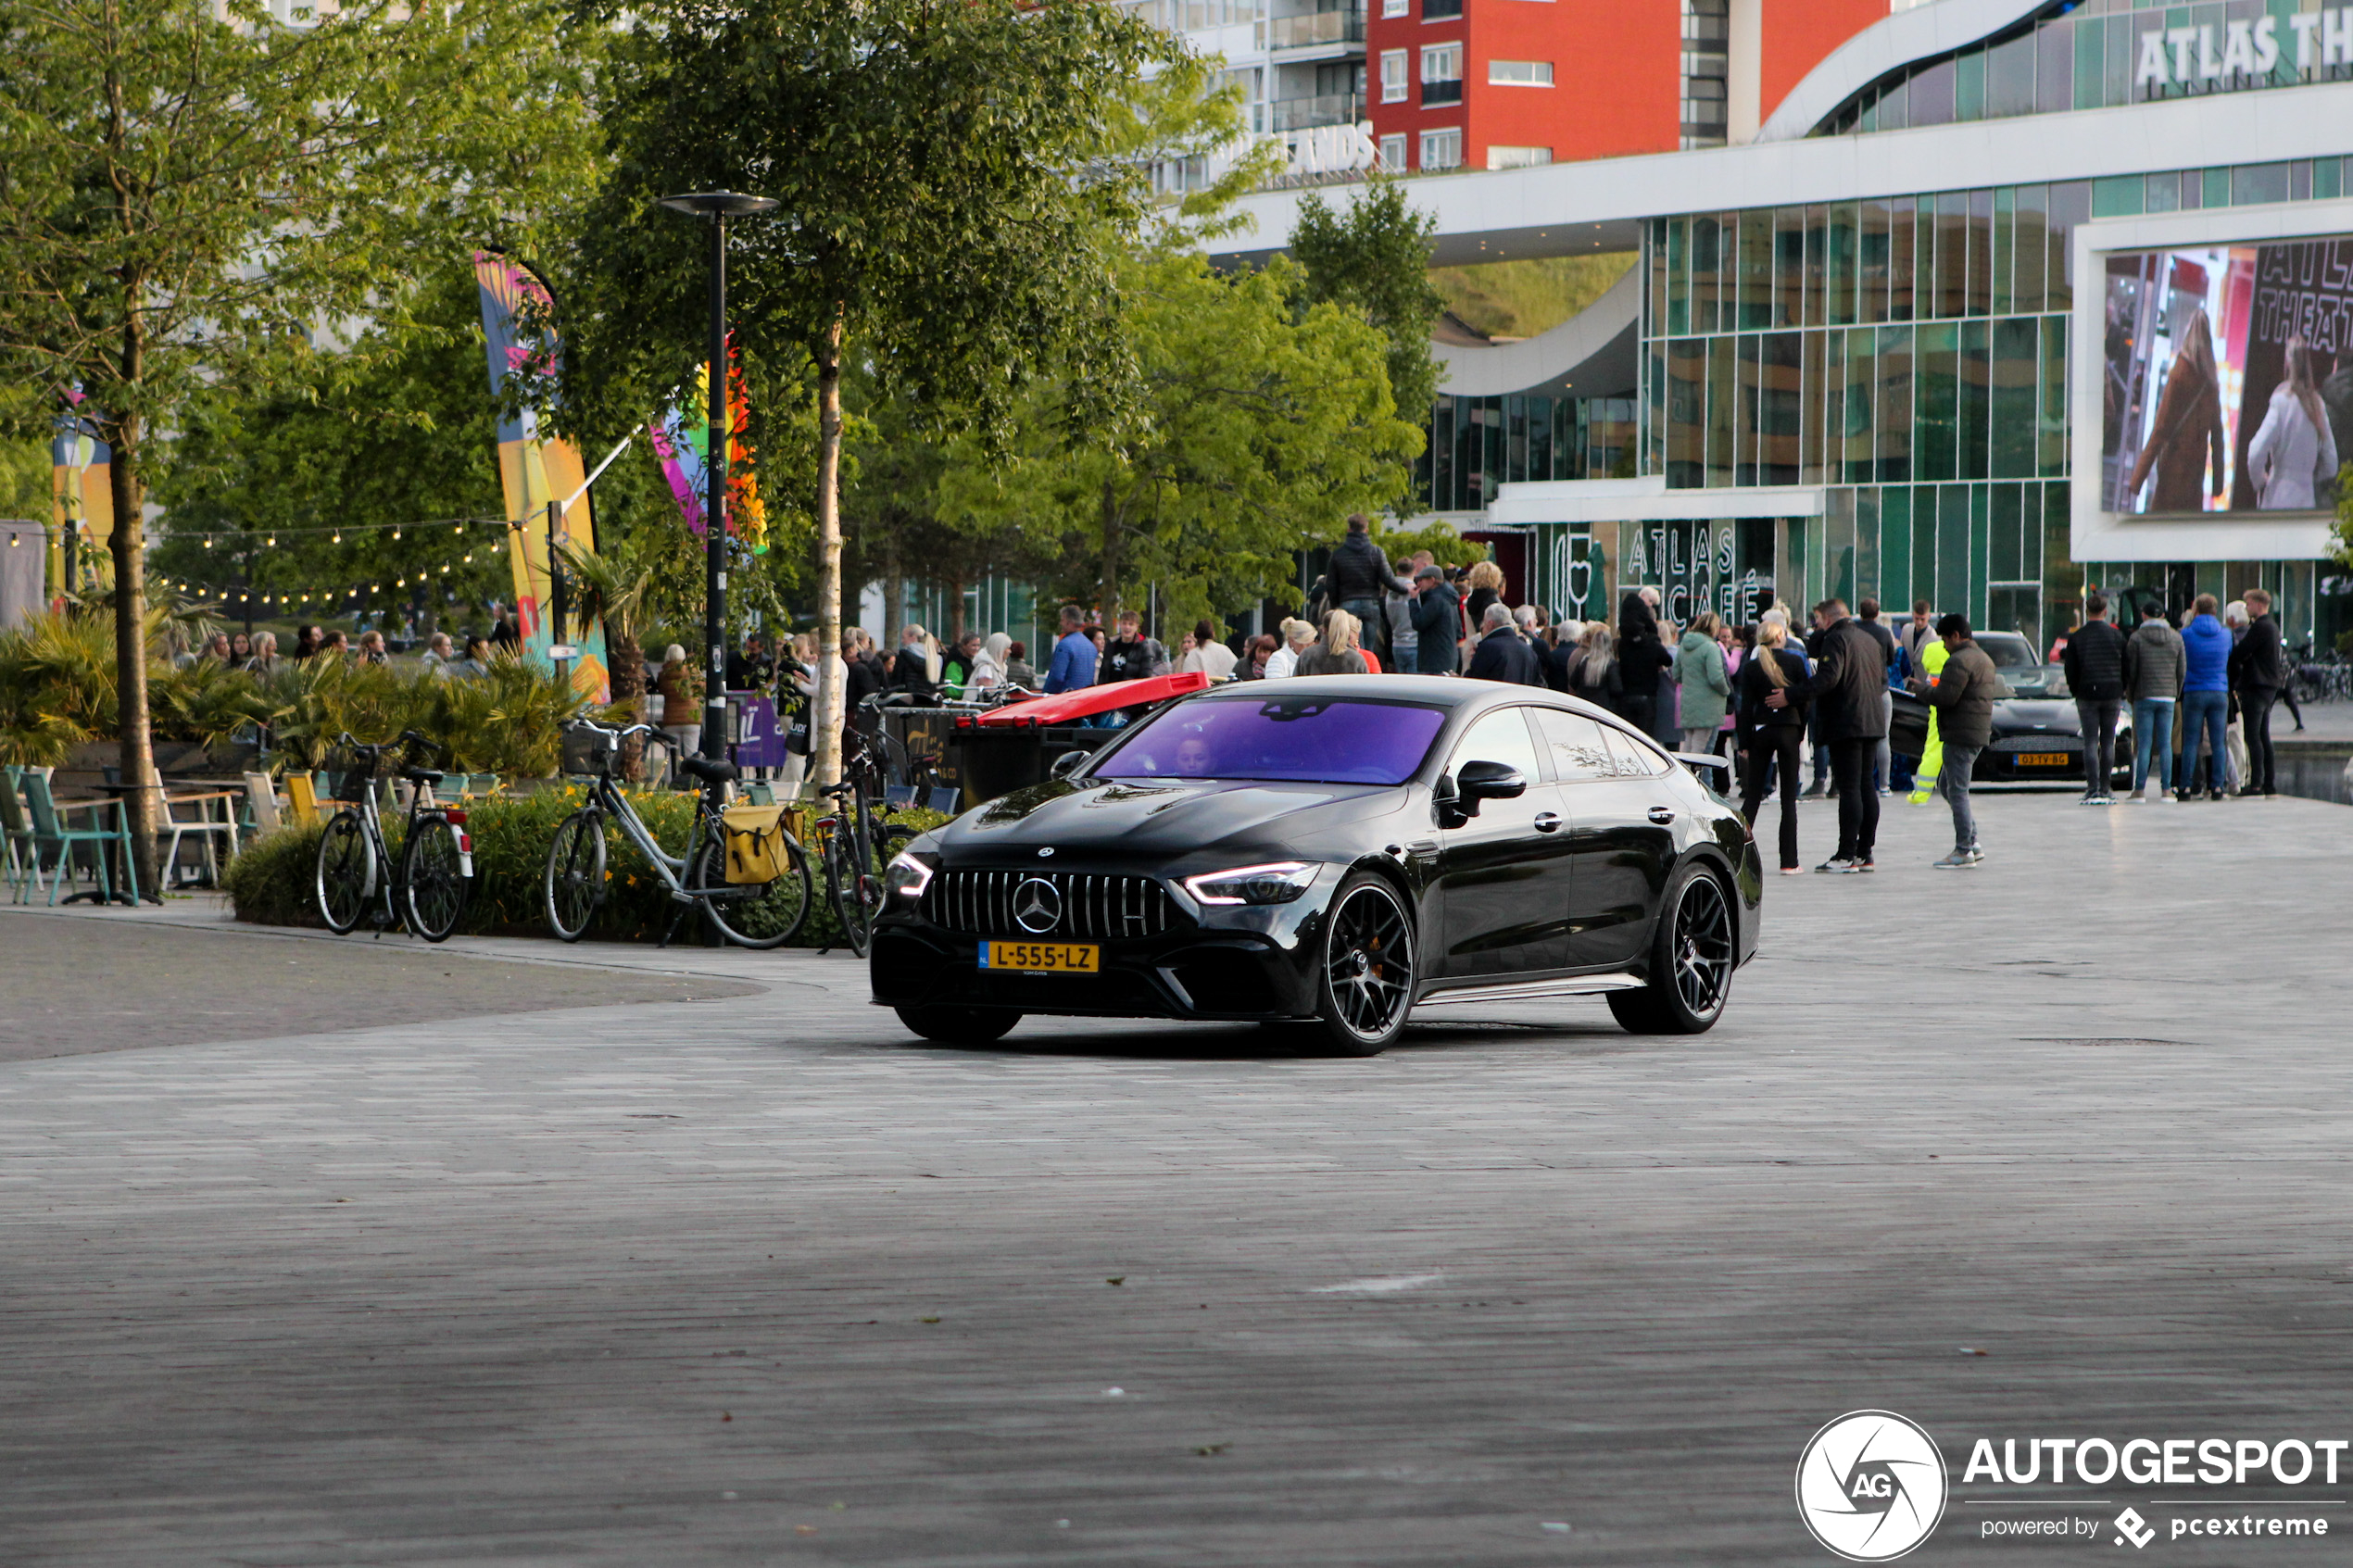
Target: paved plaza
344	1252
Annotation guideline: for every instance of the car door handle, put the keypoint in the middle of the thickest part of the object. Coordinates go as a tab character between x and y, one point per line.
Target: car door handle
1548	821
1662	815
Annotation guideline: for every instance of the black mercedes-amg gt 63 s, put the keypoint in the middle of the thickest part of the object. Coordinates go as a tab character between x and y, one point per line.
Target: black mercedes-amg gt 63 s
1334	851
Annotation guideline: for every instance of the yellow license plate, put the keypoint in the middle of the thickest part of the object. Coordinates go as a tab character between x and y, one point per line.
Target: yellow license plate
1043	958
2046	759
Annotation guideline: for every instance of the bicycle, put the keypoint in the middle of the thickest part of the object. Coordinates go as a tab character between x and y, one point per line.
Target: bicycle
855	844
757	915
428	889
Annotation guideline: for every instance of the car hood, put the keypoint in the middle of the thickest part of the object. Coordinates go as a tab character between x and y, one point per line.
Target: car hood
1134	818
2027	713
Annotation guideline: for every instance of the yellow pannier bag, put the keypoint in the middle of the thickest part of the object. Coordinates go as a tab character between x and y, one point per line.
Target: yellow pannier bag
755	843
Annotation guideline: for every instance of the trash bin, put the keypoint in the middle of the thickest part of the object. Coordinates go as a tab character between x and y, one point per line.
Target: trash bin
994	759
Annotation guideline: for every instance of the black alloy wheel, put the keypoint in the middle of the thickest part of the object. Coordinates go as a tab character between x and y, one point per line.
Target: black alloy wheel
347	864
960	1026
1693	953
1368	975
434	886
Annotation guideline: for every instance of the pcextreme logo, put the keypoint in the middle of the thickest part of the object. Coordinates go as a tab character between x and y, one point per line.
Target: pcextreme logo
1871	1486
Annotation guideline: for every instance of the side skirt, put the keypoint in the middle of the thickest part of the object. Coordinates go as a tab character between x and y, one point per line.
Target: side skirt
1533	990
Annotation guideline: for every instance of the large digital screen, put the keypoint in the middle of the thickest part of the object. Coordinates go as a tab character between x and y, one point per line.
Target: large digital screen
2229	377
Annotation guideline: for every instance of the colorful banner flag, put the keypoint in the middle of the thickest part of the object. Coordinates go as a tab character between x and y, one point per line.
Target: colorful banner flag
81	504
681	439
536	468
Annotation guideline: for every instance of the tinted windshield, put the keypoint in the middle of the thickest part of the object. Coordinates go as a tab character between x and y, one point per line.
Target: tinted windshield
1314	740
2008	650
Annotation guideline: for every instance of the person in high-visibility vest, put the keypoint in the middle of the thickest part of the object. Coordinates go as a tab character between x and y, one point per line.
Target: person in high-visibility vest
1933	653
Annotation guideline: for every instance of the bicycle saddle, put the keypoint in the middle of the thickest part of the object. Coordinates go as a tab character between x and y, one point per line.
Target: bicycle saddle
710	770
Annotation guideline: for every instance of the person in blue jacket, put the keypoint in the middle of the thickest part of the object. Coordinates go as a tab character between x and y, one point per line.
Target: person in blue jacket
2205	699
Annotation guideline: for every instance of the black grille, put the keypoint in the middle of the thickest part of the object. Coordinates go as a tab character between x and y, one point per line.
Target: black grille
1094	908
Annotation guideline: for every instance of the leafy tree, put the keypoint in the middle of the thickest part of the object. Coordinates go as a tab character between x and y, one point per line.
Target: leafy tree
948	216
185	185
1374	257
1262	425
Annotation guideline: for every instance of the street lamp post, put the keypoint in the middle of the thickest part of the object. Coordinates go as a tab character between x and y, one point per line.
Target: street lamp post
719	206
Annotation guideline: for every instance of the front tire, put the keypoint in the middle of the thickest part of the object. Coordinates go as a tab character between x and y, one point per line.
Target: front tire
345	871
1367	971
1693	951
960	1026
434	888
575	880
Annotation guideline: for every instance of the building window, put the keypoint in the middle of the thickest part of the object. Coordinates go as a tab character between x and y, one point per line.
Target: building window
1396	7
1393	152
1517	157
1519	73
1392	76
1442	74
1442	149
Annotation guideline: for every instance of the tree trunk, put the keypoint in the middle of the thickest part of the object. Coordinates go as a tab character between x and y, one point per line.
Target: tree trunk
143	802
825	723
955	607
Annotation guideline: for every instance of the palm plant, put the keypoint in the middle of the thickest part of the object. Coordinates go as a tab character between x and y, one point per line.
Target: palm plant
616	586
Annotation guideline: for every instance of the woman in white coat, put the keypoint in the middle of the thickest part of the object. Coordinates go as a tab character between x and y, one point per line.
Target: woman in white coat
2294	455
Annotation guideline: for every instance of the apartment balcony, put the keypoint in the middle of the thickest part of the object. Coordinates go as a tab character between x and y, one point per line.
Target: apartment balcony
1437	93
1328	108
1341	24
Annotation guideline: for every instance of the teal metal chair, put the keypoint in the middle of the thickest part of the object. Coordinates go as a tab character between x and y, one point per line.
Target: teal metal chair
759	792
24	861
50	831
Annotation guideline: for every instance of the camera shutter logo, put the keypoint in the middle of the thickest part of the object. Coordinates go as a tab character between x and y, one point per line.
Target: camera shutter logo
1037	906
1871	1486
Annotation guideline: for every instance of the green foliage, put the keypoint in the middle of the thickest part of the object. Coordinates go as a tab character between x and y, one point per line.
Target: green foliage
1523	299
2342	542
270	882
1373	258
1263	425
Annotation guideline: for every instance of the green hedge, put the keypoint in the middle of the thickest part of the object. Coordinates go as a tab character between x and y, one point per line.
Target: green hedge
272	881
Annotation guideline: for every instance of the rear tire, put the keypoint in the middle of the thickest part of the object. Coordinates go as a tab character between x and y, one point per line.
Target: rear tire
345	871
1365	987
960	1026
575	880
853	887
1693	951
434	890
754	916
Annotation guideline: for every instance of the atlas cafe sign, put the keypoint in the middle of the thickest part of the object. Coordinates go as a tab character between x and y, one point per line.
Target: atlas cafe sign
2182	57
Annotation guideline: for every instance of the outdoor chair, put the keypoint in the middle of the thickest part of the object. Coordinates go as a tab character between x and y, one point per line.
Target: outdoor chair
24	861
212	834
944	798
261	816
50	831
302	799
759	792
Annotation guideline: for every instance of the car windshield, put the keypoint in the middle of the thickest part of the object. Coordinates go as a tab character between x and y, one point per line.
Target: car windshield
1311	740
2008	650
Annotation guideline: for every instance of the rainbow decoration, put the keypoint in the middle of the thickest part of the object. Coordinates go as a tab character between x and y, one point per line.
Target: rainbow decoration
682	440
536	468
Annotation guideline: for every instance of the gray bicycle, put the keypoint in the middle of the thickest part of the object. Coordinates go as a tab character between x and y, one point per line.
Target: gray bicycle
747	914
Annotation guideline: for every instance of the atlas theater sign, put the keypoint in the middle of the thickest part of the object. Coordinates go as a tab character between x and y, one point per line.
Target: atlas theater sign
2214	56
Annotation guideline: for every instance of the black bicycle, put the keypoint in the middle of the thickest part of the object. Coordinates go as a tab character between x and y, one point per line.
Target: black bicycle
749	914
428	889
855	842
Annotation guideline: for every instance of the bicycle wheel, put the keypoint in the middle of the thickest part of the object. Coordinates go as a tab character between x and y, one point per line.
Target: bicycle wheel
347	871
575	879
854	880
750	915
434	886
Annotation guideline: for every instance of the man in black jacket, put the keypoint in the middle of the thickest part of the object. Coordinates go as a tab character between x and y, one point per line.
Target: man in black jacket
1503	654
1850	673
2257	670
1437	616
1358	577
2094	660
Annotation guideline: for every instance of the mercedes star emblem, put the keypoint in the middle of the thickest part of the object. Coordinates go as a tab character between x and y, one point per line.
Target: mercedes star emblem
1037	906
1046	853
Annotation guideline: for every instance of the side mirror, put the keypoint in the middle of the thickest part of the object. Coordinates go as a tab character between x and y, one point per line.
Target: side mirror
1459	793
1068	763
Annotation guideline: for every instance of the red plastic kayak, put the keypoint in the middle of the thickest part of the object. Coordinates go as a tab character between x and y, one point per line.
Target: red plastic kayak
1067	707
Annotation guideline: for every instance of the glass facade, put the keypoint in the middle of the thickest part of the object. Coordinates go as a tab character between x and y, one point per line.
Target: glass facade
2096	53
1476	444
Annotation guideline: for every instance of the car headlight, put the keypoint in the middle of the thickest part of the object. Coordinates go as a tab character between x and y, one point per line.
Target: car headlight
906	877
1276	884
